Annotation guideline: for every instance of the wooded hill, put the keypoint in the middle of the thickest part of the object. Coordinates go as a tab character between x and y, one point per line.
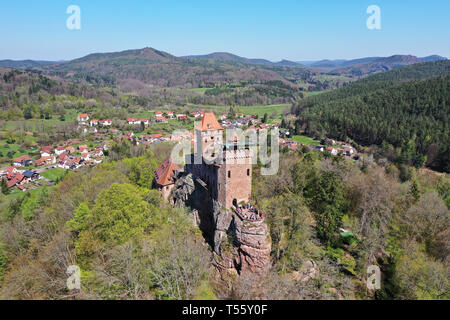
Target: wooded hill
412	117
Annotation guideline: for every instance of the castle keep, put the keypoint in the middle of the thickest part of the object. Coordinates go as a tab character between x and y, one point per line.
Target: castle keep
226	168
217	178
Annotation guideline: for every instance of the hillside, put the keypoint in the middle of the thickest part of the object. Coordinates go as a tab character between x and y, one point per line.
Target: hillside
373	65
157	68
412	117
23	64
413	72
343	63
26	95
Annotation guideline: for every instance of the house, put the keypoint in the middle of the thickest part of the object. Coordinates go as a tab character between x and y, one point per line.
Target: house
59	151
181	116
70	149
348	150
30	175
17	179
134	121
22	161
85	156
165	177
45	161
11	170
94	122
105	123
46	151
196	114
333	151
93	130
97	153
98	160
319	148
161	120
83	117
83	148
158	114
146	122
170	114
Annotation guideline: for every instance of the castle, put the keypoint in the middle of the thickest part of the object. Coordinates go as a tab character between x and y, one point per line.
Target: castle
217	186
225	168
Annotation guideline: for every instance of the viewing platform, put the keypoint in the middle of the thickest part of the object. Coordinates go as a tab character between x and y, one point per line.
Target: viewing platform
248	212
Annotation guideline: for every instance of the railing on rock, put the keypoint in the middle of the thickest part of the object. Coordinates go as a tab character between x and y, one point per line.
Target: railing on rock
249	213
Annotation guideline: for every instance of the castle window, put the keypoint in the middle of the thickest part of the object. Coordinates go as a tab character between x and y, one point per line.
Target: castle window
229	174
248	172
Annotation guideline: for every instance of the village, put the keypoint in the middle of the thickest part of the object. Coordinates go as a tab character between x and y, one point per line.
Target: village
28	173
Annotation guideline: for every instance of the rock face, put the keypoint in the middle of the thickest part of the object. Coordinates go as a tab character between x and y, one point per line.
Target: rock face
239	246
254	246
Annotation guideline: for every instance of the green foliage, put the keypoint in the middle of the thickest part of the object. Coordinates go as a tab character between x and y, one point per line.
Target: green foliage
4	187
141	170
119	214
325	194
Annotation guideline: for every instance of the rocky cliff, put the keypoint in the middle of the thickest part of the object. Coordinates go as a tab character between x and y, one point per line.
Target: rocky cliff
239	246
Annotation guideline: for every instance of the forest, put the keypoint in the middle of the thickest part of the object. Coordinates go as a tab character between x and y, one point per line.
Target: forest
409	120
130	245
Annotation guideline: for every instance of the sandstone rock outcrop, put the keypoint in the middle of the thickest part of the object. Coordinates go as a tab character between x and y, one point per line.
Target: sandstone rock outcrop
239	245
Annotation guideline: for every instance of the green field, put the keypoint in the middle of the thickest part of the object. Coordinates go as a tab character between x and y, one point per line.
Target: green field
54	174
17	194
33	124
306	140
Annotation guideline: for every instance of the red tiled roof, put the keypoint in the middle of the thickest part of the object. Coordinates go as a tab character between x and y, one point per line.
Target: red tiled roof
209	122
46	149
22	158
17	179
164	175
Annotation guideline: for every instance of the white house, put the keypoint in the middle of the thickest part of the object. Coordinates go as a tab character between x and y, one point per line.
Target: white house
83	117
333	151
134	121
106	123
59	151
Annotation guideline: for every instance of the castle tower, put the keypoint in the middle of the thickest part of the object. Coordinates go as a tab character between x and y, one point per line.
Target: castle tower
225	167
209	135
235	175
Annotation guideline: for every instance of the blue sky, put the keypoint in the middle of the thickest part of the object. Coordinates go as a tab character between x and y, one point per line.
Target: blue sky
282	29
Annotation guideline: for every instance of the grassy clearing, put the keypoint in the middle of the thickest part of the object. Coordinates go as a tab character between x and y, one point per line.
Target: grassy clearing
306	140
54	174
